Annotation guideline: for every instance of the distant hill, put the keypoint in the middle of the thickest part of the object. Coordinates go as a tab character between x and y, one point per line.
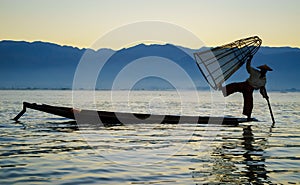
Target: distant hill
47	65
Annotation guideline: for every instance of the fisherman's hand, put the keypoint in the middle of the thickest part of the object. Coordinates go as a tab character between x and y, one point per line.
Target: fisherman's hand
266	97
250	57
263	92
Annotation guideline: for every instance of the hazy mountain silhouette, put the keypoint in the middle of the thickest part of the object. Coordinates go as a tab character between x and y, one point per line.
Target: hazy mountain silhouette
48	65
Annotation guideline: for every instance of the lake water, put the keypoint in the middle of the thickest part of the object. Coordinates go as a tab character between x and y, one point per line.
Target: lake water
43	148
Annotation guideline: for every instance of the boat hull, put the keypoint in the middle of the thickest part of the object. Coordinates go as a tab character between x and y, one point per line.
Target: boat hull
119	118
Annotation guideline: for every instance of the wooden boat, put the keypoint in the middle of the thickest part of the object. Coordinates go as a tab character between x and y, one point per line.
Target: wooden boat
119	118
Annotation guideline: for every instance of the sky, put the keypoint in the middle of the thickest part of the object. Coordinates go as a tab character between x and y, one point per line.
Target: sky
80	23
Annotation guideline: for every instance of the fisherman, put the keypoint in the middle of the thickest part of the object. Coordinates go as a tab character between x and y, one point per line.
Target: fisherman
257	80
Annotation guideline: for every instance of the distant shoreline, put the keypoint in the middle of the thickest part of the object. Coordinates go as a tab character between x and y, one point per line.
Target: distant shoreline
48	66
70	89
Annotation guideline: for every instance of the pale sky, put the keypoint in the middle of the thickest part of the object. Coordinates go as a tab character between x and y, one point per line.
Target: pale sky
80	23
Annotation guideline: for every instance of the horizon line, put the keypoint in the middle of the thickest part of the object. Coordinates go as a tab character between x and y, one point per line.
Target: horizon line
283	90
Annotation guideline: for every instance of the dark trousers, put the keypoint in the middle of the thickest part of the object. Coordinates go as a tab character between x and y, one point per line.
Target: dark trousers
246	89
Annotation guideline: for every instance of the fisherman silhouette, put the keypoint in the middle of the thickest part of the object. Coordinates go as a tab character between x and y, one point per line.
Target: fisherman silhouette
257	80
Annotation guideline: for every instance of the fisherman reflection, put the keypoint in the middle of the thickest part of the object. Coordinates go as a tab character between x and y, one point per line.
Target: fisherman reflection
254	160
240	160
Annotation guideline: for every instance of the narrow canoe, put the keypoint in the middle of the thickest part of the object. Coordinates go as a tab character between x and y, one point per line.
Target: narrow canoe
119	118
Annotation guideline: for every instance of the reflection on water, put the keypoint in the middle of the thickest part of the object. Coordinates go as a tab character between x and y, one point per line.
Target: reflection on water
246	159
237	159
254	158
47	149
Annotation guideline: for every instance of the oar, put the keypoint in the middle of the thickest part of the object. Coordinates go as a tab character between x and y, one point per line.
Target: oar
271	112
263	91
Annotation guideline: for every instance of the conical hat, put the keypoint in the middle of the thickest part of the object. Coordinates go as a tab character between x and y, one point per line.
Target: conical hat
265	67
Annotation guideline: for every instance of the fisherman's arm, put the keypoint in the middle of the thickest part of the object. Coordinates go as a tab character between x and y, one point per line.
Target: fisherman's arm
263	92
248	65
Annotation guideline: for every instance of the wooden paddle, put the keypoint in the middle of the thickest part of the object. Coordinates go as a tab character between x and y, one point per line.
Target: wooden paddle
264	93
271	112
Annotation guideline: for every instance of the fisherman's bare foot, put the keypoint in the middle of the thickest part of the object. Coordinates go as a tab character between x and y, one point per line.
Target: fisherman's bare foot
223	89
219	87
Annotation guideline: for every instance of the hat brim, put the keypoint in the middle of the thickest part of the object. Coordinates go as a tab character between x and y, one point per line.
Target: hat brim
265	67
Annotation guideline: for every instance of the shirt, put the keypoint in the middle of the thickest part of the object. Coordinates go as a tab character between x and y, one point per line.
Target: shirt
255	80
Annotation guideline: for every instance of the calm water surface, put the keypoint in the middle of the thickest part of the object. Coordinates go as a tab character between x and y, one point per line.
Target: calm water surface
45	149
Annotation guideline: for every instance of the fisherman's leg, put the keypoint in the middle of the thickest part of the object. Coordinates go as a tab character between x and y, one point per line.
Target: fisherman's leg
231	88
248	103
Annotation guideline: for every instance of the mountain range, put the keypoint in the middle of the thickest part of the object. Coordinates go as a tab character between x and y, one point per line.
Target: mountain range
42	65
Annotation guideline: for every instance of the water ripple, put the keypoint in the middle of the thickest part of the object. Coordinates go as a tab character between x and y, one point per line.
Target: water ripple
46	149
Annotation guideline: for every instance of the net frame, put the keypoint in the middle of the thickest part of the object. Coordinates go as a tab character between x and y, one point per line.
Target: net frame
220	63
